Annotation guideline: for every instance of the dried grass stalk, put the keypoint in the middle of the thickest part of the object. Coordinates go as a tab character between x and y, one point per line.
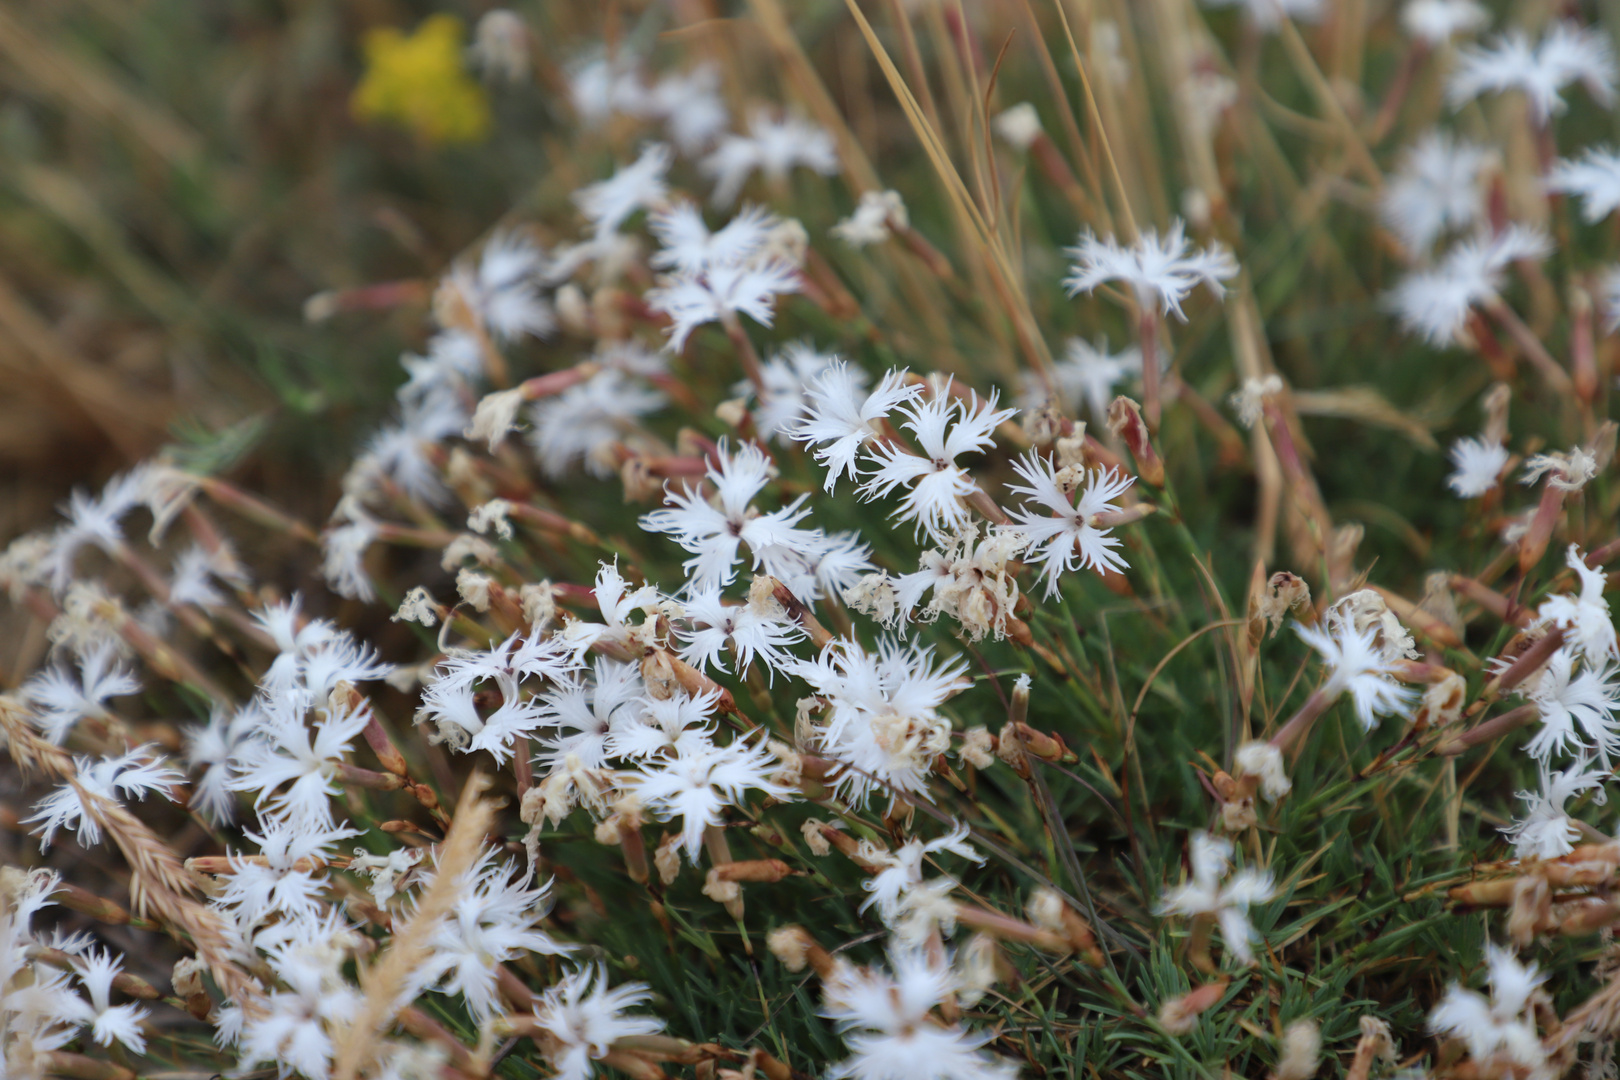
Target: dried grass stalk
159	885
386	981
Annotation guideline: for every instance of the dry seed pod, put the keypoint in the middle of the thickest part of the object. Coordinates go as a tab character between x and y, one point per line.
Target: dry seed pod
1044	425
1301	1052
796	949
1238	814
765	871
1180	1015
1442	703
1531	910
668	858
1254	614
1125	420
1439	602
1286	595
658	672
1376	1044
1588	917
639	483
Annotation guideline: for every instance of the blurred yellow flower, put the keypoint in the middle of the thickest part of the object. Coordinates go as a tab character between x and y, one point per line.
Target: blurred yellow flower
420	81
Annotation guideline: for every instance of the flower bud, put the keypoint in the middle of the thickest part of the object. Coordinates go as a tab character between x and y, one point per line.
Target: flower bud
796	949
1125	420
1301	1052
1180	1015
658	672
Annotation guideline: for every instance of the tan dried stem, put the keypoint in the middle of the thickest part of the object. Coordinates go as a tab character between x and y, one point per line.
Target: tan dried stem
997	260
386	979
159	884
1598	1015
1299	54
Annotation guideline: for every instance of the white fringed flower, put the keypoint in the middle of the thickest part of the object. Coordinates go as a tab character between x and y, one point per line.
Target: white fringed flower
1435	22
882	723
780	408
1264	762
1088	375
1160	271
1228	900
1499	1030
73	805
1574	705
1545	831
879	213
1566	54
1268	15
1594	177
290	768
503	291
720	293
775	146
61	698
581	425
700	781
887	1024
495	919
945	427
1061	527
1356	665
585	1018
715	531
608	203
1435	303
841	418
688	244
1437	189
901	870
97	968
1478	466
1585	616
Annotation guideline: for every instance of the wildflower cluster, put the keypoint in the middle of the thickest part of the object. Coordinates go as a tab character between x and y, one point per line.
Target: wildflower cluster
744	648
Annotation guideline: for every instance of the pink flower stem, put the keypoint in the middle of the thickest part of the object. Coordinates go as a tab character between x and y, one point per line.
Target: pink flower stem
745	353
1583	351
1533	545
1390	110
522	767
1493	728
1529	661
1557	379
1598	556
1147	324
1300	722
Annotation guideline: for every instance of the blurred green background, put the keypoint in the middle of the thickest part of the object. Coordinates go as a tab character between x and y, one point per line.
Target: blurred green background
176	179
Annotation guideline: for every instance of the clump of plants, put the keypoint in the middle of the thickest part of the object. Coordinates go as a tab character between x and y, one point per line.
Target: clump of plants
1083	554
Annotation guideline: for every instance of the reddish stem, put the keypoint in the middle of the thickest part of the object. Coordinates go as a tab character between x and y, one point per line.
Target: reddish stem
1147	325
1300	722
